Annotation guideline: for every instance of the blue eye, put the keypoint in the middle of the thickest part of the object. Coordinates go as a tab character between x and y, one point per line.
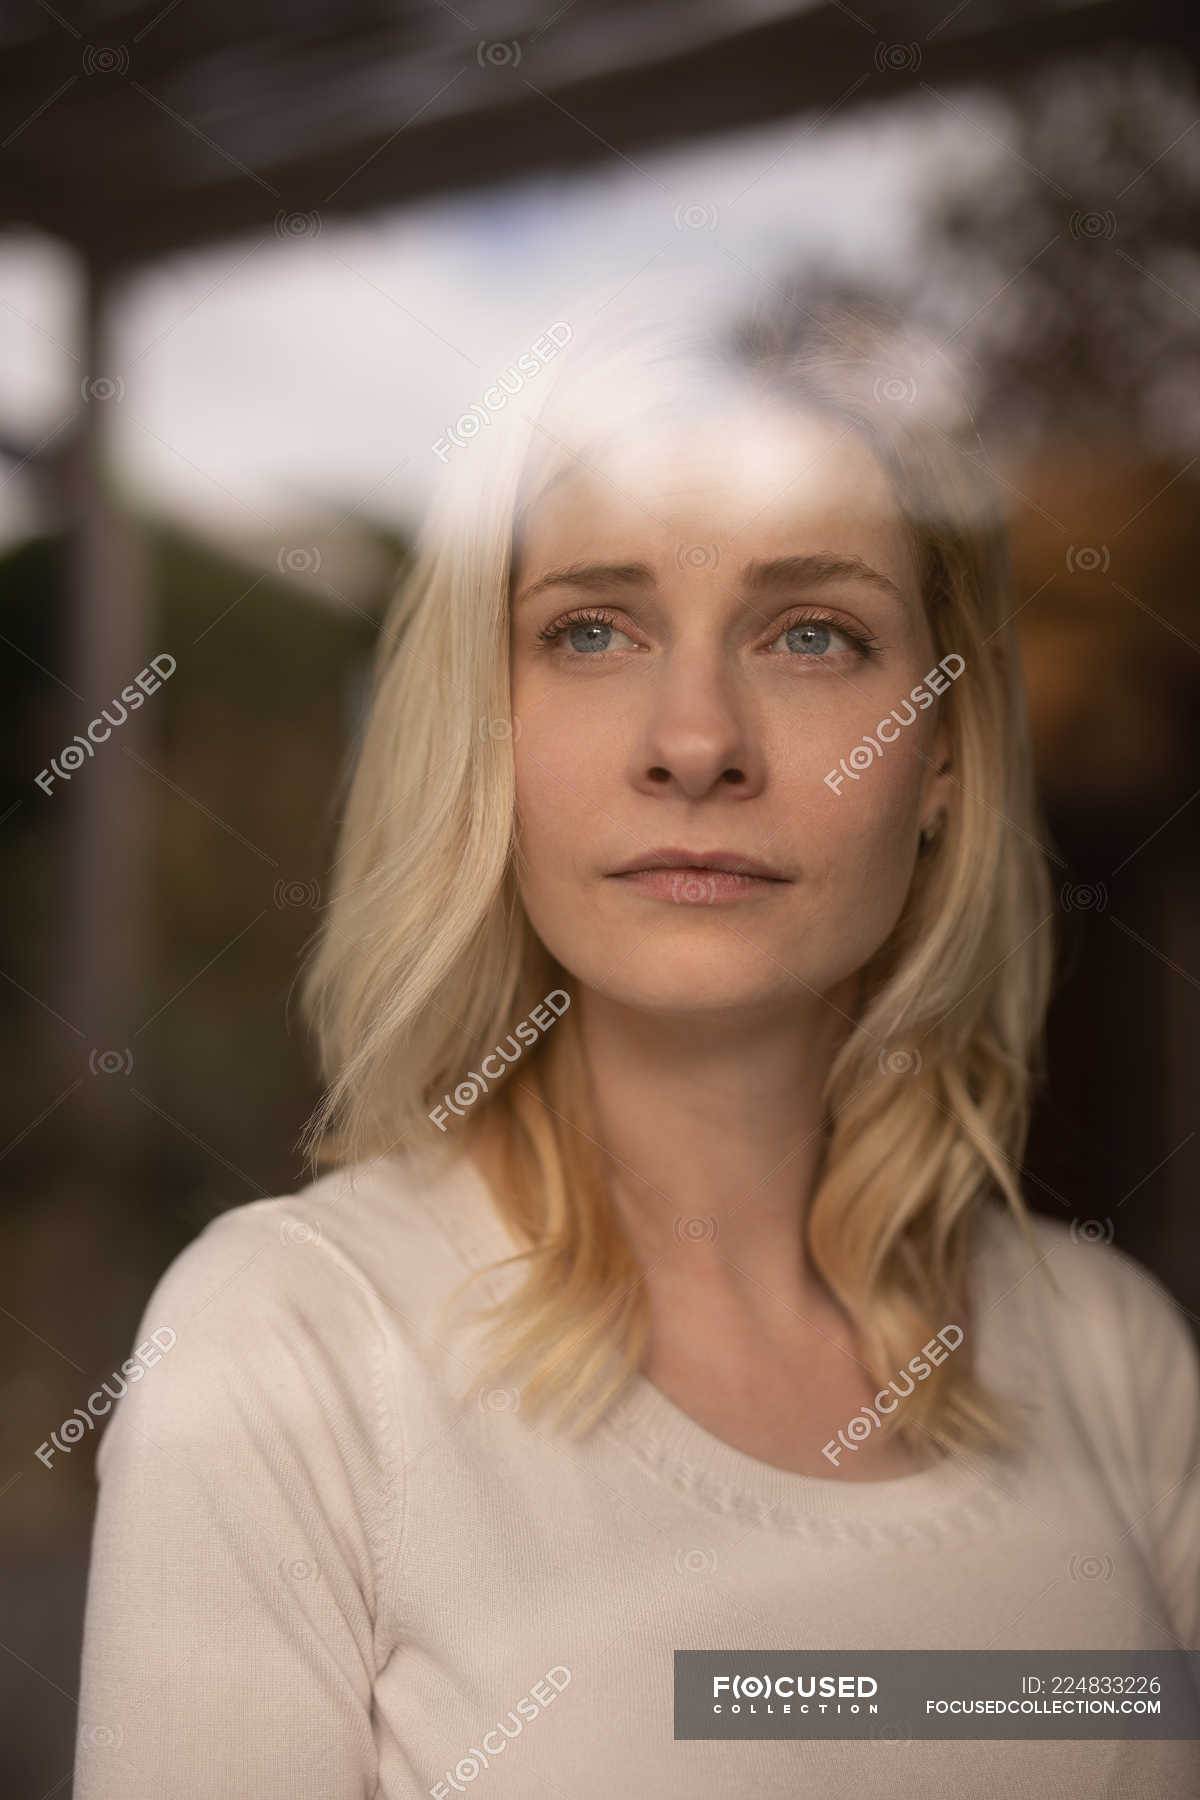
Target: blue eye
585	626
589	633
807	636
811	639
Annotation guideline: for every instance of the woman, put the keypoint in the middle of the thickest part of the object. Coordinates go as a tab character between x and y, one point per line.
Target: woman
679	1002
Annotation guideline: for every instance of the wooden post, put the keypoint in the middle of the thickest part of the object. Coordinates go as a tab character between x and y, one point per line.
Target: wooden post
109	799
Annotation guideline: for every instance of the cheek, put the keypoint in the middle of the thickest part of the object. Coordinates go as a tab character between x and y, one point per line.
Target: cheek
562	781
562	798
861	841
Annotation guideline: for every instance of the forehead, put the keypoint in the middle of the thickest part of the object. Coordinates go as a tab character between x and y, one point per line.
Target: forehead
751	481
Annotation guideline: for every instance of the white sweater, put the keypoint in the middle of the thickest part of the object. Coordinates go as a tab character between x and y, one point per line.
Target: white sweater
313	1578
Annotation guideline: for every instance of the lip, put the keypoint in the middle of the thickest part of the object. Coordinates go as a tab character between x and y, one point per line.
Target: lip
691	885
672	861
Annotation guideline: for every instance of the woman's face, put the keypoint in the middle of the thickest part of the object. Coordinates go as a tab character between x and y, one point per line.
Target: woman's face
684	677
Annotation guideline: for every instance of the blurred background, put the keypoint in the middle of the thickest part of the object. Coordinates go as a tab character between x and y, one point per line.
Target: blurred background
254	264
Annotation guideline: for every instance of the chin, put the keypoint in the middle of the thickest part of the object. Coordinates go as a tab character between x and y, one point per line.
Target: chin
663	974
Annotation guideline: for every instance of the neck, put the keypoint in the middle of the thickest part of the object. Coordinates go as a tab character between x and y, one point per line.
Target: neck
715	1133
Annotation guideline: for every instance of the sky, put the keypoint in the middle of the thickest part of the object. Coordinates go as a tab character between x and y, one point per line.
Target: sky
271	384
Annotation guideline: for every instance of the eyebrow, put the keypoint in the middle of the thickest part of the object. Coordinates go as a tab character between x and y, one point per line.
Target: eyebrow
760	578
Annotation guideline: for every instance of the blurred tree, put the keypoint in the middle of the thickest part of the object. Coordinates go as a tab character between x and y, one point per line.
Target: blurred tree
1071	273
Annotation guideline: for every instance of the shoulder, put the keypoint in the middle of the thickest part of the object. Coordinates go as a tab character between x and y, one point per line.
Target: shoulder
362	1234
1080	1279
1098	1324
295	1305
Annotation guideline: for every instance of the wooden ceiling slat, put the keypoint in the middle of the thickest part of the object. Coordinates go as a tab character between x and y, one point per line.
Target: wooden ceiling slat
108	165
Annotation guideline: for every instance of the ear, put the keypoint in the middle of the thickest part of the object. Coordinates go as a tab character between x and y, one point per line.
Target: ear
938	780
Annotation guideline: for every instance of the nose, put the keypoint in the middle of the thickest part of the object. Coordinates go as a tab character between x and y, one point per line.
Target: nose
697	730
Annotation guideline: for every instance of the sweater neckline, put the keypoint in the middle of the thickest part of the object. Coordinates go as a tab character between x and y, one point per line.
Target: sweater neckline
952	1493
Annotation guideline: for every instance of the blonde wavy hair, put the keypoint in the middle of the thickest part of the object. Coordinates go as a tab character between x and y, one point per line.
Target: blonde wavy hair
425	957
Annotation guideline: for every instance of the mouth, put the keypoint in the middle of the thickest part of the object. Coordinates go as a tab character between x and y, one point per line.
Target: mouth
704	878
726	862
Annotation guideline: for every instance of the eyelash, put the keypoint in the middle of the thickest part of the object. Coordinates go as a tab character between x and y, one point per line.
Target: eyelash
865	647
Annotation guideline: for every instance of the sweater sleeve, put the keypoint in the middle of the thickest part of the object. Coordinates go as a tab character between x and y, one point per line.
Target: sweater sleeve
1162	1352
1134	1366
245	1502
